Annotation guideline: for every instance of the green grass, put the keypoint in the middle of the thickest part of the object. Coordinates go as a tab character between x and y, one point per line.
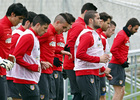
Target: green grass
128	91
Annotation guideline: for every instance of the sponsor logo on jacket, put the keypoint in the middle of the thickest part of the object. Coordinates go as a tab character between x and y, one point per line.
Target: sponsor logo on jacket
60	44
52	43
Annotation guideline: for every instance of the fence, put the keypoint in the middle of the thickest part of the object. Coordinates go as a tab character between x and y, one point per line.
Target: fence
132	79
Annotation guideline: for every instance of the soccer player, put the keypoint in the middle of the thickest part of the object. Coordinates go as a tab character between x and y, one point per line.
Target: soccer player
104	71
106	34
26	23
14	15
89	58
73	33
119	59
48	50
57	70
27	53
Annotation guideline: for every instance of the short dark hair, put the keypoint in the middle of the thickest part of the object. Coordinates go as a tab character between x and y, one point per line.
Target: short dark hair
133	22
18	9
42	19
112	23
66	17
89	14
104	16
71	17
29	17
88	6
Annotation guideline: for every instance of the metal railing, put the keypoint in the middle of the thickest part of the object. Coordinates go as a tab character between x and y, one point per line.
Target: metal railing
131	79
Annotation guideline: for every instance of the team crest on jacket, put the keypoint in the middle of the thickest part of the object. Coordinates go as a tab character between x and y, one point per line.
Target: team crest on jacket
42	96
99	44
37	58
103	89
52	43
92	80
32	87
55	75
121	81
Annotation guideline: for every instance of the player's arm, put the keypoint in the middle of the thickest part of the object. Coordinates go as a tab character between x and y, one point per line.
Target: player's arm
73	34
86	41
13	42
1	31
25	46
118	41
60	46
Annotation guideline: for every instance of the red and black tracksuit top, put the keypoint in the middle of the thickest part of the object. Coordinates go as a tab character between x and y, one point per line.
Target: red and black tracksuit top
60	43
48	47
120	48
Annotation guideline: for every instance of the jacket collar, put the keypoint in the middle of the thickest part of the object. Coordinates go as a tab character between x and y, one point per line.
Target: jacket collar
128	33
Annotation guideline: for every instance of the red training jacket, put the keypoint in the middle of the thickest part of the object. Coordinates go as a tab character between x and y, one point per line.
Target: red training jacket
120	48
47	47
60	43
73	33
5	40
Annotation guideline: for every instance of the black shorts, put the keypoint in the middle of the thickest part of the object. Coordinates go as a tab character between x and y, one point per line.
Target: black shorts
58	84
73	83
118	74
3	87
102	86
28	91
89	86
47	86
12	90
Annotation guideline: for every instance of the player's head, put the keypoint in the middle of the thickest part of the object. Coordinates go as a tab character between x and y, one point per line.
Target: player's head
92	19
132	25
88	6
29	19
16	12
105	20
61	22
71	17
72	20
40	24
111	30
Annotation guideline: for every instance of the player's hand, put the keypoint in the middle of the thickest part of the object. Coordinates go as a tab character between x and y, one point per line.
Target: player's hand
104	58
12	58
125	64
66	48
109	77
57	62
69	54
45	65
66	53
7	64
107	70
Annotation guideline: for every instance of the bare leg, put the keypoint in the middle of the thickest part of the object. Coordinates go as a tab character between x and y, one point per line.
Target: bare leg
103	97
119	92
16	99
